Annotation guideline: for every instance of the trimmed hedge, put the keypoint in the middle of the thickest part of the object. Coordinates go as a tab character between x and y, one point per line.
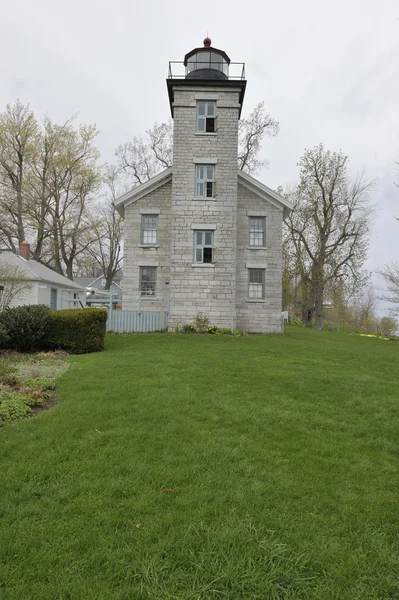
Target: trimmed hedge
77	330
31	328
24	328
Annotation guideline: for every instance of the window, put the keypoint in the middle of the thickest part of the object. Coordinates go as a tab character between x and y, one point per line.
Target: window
148	281
206	116
203	246
204	181
149	230
256	284
53	298
256	231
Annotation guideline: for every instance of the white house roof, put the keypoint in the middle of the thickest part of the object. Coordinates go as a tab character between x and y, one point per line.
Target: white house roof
35	271
156	182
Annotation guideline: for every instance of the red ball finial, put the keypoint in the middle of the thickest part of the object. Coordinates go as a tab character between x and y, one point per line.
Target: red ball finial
207	42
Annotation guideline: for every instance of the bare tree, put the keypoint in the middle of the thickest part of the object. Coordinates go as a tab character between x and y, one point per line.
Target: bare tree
366	306
251	132
328	227
141	159
107	226
13	282
390	274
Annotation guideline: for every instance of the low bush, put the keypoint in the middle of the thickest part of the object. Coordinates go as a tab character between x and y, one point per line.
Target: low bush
189	328
26	327
13	407
77	331
6	367
42	383
10	380
4	337
201	323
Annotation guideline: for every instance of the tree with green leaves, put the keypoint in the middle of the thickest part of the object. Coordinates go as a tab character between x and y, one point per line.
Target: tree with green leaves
328	228
19	142
49	178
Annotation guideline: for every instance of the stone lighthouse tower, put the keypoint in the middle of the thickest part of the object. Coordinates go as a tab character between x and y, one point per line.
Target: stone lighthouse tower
206	105
202	237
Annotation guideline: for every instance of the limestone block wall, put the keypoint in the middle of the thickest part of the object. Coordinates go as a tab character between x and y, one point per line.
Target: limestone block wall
156	202
259	316
209	289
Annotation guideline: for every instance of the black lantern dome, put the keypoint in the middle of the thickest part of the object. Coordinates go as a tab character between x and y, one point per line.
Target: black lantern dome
207	63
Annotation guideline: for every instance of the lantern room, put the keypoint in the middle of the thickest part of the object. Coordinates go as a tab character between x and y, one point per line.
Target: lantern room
207	63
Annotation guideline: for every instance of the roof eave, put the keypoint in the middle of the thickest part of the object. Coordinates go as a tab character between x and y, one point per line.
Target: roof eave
142	190
265	192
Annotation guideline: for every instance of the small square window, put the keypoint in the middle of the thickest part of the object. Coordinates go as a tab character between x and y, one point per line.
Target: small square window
256	284
257	231
148	282
206	116
205	181
203	246
149	230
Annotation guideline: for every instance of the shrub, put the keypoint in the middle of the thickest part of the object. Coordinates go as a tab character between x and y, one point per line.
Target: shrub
212	329
4	337
11	380
6	367
77	330
387	326
26	327
43	383
189	328
201	323
14	407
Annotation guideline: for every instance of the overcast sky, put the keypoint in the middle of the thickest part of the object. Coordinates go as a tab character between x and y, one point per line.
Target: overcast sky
327	71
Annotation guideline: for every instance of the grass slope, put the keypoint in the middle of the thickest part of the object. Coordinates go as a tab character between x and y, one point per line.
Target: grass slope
281	454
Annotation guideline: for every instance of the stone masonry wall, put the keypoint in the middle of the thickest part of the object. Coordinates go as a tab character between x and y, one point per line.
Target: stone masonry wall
159	201
259	316
208	289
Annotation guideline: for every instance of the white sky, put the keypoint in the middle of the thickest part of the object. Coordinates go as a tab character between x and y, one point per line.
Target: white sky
327	71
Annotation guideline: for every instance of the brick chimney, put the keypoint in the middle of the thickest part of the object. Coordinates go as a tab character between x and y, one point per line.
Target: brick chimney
24	250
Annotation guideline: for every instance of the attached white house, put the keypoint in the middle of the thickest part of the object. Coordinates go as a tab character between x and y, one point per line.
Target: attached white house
43	285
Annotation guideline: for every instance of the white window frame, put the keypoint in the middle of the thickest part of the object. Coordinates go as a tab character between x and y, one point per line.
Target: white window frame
144	230
202	181
199	248
206	118
256	289
254	231
148	294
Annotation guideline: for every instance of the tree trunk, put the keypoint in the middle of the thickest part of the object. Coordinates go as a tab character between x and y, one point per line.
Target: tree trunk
307	317
20	206
319	308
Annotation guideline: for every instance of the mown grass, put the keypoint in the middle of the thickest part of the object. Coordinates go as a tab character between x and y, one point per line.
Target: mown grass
279	456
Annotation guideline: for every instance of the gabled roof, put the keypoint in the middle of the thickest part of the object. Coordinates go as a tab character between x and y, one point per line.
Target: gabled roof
142	190
246	180
89	282
264	192
35	271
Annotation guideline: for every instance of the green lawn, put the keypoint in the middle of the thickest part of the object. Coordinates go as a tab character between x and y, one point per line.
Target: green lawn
281	455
